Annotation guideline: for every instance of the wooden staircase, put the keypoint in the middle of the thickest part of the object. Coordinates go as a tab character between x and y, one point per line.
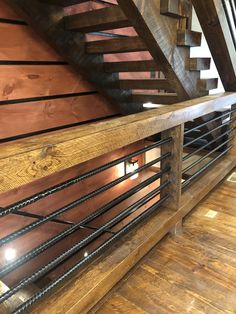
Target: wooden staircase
134	53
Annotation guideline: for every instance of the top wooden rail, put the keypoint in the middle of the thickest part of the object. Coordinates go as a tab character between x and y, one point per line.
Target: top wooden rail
33	158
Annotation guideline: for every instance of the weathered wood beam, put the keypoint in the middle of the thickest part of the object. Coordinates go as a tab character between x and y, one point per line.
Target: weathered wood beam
42	156
214	23
160	35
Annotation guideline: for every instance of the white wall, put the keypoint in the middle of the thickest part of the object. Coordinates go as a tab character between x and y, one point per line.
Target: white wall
204	52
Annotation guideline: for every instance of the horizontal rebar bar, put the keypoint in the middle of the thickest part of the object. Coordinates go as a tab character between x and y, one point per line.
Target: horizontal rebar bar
77	202
36	197
102	210
205	156
205	167
207	144
209	132
22	308
75	248
209	121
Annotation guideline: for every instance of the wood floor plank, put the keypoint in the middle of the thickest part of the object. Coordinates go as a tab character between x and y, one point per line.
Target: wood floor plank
190	273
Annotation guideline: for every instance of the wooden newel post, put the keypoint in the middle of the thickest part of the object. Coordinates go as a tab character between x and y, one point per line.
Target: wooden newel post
175	147
232	152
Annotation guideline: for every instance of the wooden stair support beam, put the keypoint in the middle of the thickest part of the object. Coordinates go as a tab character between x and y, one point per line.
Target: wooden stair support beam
214	23
175	147
188	38
131	66
80	294
151	84
162	98
207	84
116	45
152	27
198	64
48	21
50	153
97	20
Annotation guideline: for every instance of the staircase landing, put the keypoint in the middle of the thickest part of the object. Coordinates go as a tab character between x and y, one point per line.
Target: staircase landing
190	273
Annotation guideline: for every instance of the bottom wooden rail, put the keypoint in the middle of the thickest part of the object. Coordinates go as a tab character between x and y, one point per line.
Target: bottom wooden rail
84	290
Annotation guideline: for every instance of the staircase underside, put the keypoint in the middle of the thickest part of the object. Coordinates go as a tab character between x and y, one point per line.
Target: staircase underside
134	54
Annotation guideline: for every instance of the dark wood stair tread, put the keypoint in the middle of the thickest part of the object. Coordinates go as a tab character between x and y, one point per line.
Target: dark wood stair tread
97	20
117	45
188	38
199	64
151	84
132	66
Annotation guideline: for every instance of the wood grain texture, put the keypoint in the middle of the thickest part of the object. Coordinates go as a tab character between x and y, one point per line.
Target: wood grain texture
187	267
17	82
159	33
83	291
47	154
21	43
7	12
175	147
49	114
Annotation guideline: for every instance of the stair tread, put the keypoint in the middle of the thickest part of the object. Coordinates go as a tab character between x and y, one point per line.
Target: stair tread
132	66
198	64
151	84
97	20
117	45
207	84
188	38
170	8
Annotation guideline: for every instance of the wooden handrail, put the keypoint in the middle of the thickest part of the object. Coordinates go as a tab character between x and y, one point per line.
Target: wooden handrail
26	160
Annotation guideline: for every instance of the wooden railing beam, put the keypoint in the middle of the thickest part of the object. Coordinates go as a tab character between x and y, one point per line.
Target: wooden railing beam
30	159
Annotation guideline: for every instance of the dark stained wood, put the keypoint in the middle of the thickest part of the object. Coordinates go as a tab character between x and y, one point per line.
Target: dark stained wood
207	84
175	147
145	84
128	44
131	66
199	64
187	267
170	8
97	20
54	152
213	21
189	38
152	27
160	98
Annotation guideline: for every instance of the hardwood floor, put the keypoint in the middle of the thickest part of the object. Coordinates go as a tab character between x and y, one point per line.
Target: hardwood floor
190	273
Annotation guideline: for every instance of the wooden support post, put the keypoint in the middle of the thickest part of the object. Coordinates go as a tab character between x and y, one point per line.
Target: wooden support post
175	162
232	152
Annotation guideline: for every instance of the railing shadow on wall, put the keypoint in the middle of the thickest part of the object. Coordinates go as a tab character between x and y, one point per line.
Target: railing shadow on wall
174	156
